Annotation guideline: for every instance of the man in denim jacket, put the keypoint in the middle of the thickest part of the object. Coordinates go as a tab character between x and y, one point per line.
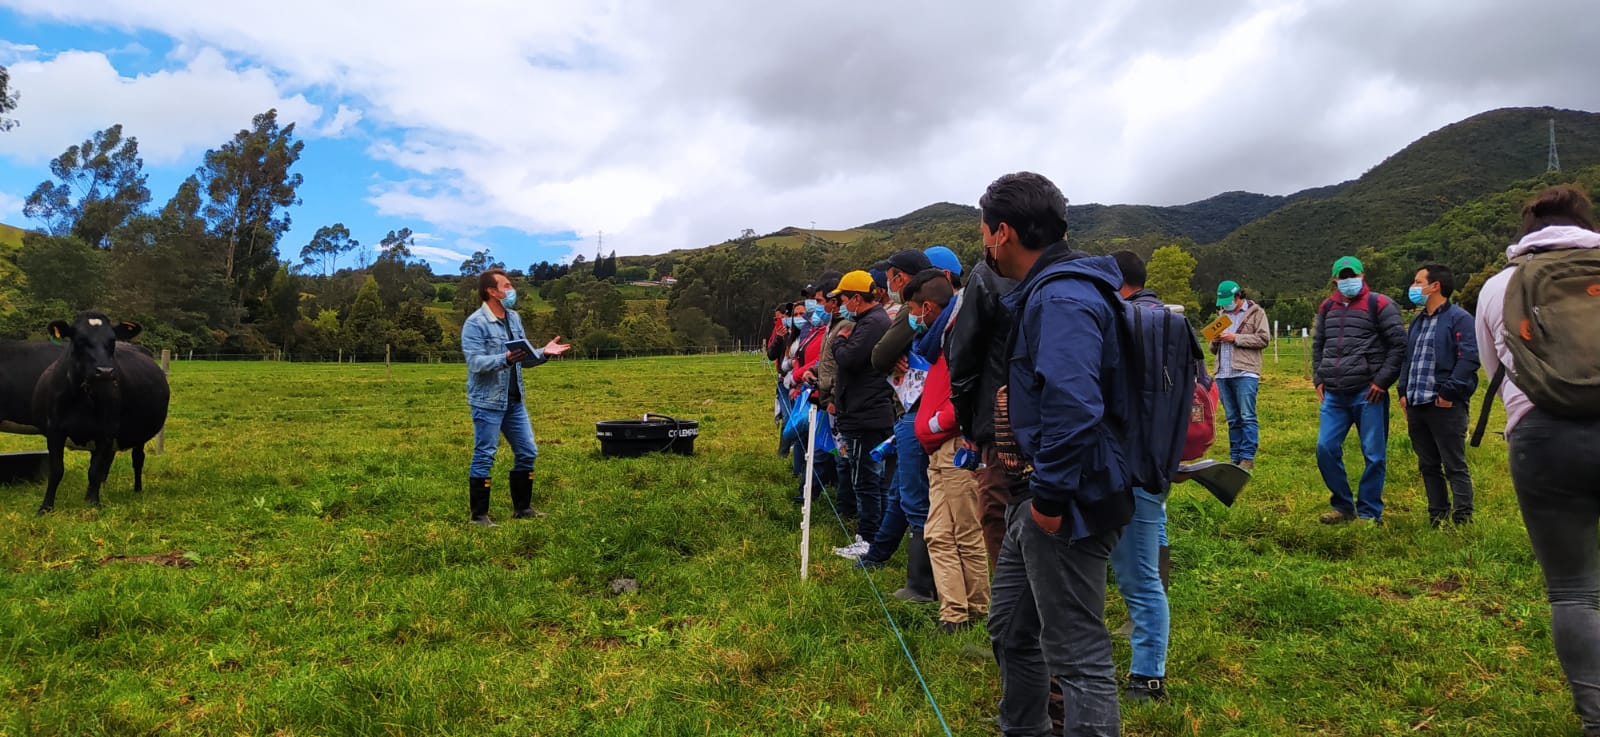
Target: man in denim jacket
494	392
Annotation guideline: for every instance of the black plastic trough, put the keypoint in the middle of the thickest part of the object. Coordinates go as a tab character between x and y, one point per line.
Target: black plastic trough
21	468
653	434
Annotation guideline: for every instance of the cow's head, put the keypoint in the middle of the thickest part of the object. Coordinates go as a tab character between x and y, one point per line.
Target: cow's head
92	340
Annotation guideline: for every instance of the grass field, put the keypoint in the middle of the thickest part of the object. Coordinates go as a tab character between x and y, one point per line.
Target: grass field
299	564
10	237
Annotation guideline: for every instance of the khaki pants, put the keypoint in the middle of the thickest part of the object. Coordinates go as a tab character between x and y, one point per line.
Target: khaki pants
954	536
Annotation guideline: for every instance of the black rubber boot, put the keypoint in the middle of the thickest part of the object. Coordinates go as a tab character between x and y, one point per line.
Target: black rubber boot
522	496
1164	564
478	499
1141	688
919	573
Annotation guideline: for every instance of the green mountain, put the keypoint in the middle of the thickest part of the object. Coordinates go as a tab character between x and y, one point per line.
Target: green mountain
10	237
1289	250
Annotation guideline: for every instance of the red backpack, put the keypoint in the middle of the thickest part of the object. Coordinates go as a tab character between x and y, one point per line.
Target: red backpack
1202	416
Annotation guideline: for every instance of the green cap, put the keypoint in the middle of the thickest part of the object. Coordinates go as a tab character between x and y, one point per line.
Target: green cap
1226	291
1348	262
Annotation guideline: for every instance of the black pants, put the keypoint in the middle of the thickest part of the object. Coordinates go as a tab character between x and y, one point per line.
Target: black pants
1439	437
1556	472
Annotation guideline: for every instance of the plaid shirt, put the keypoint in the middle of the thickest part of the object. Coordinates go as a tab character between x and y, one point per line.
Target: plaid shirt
1420	376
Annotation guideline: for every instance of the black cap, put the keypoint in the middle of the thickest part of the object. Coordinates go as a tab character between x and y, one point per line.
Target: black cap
911	261
828	282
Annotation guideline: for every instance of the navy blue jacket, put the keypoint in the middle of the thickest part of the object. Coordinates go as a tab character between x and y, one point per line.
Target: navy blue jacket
1455	354
1068	396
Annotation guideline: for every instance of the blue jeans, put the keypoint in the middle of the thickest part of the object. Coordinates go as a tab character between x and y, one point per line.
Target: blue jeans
861	479
908	496
1239	404
1136	561
1371	419
487	427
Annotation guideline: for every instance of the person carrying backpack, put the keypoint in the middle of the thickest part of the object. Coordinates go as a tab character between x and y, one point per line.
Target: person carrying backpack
1140	559
1067	404
1538	325
1357	350
1440	375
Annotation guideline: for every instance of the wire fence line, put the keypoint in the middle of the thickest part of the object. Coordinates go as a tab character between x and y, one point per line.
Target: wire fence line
358	357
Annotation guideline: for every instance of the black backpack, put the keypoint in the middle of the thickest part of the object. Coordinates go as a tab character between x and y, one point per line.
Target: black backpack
1160	356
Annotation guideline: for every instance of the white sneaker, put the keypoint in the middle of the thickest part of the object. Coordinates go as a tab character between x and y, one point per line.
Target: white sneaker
853	550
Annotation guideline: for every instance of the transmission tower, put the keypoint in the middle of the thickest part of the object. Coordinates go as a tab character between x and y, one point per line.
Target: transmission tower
1555	159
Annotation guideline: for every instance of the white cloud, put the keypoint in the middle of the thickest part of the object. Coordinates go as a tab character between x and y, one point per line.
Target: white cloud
175	114
677	124
344	119
10	208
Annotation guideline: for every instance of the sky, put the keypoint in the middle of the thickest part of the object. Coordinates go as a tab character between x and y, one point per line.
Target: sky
533	129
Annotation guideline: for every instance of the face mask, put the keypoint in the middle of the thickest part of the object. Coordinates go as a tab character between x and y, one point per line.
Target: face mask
1350	288
917	325
813	305
845	313
1416	295
988	258
509	300
798	323
818	317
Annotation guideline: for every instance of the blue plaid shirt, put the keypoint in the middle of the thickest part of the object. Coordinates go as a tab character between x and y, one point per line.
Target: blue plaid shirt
1419	379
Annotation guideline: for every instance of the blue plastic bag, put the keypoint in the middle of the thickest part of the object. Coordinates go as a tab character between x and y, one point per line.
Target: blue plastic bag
796	426
824	430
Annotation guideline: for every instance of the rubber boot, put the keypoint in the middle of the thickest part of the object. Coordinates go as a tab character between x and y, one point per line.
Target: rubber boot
919	572
478	499
522	496
1164	564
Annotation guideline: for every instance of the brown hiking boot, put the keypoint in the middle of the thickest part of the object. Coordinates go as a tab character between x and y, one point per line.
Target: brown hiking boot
1248	464
1335	517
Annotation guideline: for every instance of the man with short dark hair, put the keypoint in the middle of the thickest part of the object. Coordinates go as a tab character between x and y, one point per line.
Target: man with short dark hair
1068	406
494	393
865	402
1356	354
1440	375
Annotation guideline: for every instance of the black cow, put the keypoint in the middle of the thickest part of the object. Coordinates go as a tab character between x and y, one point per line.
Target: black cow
21	365
98	395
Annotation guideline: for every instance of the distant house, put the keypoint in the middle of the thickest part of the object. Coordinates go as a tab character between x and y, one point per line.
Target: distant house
667	281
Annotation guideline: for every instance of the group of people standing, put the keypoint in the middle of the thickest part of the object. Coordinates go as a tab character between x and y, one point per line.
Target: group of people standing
1019	362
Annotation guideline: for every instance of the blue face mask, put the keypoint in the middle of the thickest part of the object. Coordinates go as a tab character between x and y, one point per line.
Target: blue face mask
818	317
798	323
509	300
1416	295
845	313
813	305
917	325
1350	288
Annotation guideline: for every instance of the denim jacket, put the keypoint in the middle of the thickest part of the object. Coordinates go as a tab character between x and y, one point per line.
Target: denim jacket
483	340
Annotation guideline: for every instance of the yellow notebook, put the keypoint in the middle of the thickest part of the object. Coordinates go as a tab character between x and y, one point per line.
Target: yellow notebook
1214	331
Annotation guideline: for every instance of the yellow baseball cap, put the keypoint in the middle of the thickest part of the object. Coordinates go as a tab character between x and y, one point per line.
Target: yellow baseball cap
855	281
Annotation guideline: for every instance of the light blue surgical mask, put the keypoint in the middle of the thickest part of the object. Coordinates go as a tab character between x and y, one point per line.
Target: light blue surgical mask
1416	295
917	325
1350	288
813	305
510	299
845	313
818	317
798	323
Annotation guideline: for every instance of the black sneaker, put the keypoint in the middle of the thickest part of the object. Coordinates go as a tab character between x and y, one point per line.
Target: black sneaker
1145	688
951	628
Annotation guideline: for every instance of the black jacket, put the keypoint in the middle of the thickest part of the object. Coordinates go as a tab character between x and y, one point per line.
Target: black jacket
1351	351
975	349
861	393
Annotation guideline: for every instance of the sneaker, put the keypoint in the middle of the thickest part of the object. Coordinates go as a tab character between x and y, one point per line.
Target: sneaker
1248	464
952	628
853	550
527	513
483	520
1335	517
1145	688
